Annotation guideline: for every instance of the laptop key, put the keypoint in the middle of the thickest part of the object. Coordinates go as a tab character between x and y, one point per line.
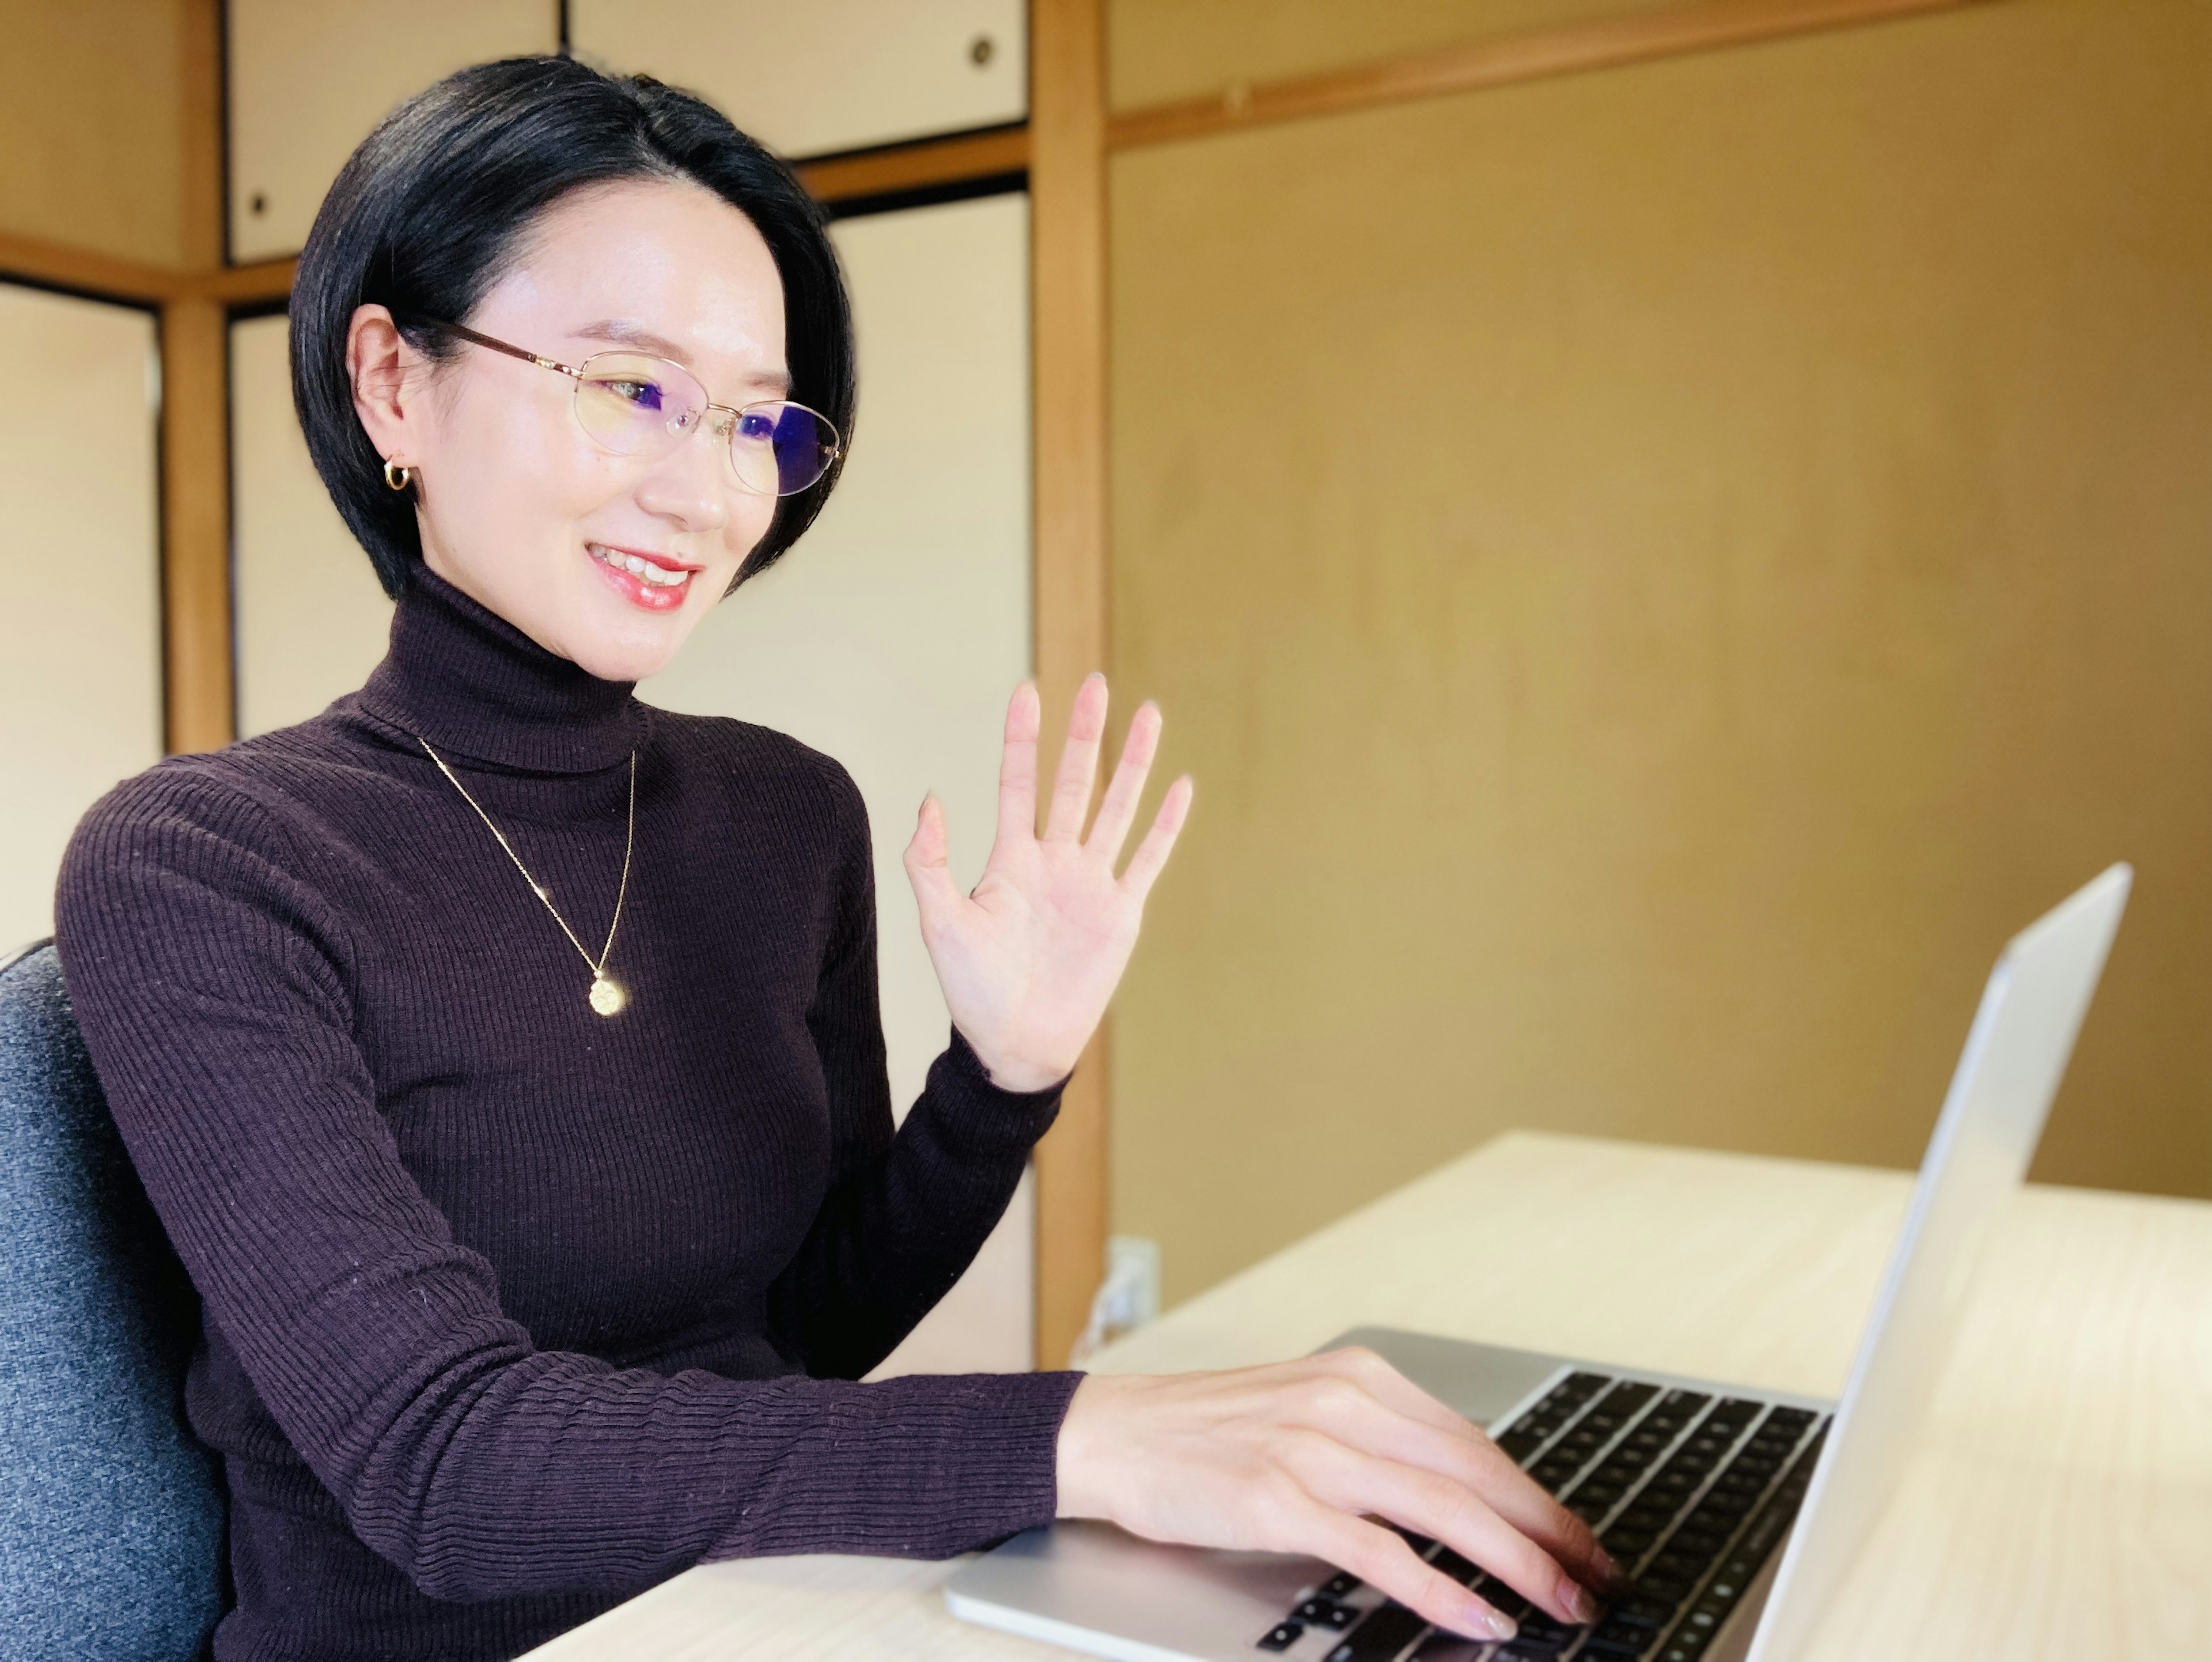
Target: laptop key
1381	1637
1538	1628
1325	1613
1339	1585
1441	1647
1620	1627
1282	1637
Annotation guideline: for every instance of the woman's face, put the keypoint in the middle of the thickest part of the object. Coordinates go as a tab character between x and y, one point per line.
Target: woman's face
521	508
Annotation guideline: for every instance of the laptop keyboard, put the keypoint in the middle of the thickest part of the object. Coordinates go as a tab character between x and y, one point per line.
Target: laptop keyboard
1690	1493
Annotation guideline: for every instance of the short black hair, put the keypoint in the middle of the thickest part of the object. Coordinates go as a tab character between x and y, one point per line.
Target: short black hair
430	210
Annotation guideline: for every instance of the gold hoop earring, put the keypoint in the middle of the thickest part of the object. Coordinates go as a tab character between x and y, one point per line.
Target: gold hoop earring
397	476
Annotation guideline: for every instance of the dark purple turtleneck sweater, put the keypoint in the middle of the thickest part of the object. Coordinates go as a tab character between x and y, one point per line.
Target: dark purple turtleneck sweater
513	1310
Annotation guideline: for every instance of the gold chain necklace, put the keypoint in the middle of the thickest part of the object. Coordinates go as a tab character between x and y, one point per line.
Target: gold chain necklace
606	995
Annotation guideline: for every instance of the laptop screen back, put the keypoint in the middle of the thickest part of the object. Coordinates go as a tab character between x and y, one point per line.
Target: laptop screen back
1992	1118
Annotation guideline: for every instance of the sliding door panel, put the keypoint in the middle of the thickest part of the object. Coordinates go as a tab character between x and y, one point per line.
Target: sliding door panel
307	82
892	636
80	579
834	75
311	619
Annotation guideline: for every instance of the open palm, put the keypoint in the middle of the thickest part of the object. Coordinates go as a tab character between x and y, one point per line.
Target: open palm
1029	958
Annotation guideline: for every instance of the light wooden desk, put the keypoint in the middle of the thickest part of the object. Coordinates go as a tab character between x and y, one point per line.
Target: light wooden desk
2059	1507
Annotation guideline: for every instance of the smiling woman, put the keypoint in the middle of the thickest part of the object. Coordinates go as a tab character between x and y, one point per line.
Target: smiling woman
526	1285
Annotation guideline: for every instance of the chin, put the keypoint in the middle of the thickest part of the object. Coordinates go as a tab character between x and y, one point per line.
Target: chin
629	647
630	653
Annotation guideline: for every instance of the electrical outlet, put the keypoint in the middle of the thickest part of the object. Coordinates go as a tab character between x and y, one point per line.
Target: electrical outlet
1128	1297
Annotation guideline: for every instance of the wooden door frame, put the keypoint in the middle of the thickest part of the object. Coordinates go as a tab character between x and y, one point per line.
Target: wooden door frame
1067	311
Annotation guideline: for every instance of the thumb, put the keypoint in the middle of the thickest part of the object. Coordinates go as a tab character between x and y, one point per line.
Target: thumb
927	864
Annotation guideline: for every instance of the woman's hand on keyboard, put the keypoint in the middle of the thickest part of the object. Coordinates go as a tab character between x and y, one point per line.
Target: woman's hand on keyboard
1305	1457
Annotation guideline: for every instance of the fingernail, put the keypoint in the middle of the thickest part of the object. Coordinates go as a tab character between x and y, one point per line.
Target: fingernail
1612	1580
1579	1604
1492	1623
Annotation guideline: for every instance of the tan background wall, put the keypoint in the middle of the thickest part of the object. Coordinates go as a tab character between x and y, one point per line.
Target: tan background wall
1657	573
91	128
1162	49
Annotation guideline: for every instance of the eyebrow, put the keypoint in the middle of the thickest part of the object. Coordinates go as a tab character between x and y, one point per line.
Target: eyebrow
621	331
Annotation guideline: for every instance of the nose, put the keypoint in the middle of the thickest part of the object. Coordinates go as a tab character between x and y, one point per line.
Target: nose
687	487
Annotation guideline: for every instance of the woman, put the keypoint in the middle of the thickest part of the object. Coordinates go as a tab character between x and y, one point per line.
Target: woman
503	1055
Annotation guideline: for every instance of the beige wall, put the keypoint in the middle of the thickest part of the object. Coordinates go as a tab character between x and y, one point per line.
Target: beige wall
91	129
1657	573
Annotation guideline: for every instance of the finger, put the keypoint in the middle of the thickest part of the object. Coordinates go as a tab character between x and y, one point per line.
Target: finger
928	866
1468	1451
1353	1481
1115	813
1079	762
1017	767
1151	854
1456	1453
1380	1557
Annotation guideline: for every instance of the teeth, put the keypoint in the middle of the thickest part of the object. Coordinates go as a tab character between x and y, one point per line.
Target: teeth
643	570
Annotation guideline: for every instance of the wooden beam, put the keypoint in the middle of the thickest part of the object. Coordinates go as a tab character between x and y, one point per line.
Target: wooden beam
917	167
1531	55
196	421
1067	209
267	281
55	266
196	524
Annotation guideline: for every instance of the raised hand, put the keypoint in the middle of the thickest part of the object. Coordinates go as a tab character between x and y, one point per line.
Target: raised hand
1029	960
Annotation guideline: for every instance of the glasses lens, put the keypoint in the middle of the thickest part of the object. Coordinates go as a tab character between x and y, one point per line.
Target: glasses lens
637	406
779	449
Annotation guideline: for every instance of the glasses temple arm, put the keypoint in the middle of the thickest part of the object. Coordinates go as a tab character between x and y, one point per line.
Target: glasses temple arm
469	334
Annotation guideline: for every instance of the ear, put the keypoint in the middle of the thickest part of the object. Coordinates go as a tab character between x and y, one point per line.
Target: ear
381	366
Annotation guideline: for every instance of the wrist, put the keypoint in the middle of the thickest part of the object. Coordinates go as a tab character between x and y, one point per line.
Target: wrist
1083	1452
1016	1075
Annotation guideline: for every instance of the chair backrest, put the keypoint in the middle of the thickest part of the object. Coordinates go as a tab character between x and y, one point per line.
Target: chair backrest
111	1512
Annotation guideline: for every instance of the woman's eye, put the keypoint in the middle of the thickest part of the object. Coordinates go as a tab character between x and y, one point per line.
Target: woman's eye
645	394
756	426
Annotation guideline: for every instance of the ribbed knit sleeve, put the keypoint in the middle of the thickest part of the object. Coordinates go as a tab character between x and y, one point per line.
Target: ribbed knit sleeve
905	1214
216	992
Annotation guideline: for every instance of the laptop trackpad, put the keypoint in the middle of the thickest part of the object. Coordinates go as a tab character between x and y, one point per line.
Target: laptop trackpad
1485	1382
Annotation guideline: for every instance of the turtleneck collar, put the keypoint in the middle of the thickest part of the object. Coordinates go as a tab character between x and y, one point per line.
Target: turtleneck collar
463	677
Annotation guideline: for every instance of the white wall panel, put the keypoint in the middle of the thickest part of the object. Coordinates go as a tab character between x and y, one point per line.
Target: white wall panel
310	617
831	75
309	78
892	636
80	579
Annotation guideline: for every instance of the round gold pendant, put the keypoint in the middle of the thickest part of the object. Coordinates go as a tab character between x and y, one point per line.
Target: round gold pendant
607	995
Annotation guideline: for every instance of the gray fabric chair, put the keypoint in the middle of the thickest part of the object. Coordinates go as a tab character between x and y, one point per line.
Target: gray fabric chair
111	1512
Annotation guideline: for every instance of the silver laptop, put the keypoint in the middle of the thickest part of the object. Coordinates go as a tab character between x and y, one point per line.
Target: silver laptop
1737	1511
